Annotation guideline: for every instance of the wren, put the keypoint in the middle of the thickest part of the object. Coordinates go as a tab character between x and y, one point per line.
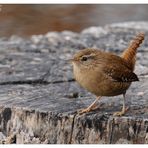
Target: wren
106	74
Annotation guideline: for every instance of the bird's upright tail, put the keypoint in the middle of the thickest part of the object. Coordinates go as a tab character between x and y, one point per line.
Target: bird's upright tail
130	53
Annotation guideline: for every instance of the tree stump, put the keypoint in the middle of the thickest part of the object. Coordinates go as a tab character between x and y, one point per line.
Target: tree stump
39	97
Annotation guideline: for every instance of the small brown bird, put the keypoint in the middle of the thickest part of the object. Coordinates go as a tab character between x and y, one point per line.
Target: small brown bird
106	74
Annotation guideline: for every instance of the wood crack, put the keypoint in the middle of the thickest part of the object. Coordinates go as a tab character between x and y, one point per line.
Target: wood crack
34	82
72	128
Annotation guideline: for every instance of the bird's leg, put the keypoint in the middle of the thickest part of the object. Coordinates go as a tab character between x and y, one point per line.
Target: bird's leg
90	107
122	112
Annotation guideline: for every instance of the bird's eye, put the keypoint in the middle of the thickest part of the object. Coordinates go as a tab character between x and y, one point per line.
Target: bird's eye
84	58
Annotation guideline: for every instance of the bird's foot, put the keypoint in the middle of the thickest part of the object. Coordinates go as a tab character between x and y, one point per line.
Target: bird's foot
120	113
88	109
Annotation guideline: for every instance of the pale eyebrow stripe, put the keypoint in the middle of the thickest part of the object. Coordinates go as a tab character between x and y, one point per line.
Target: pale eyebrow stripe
89	55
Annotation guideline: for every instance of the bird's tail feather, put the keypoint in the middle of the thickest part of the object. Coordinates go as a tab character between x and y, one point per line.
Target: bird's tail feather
130	53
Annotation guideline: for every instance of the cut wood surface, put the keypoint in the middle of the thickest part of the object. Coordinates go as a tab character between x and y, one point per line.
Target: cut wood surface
39	96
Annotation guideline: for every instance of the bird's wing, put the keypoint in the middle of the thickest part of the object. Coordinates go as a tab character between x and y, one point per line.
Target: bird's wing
119	73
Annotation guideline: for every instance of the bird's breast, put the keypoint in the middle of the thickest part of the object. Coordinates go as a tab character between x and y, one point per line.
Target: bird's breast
97	83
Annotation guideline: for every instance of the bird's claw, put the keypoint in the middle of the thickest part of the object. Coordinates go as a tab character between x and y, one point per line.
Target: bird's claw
120	113
82	111
86	110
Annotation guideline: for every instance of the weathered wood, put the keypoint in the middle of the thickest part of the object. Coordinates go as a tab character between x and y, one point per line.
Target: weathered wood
39	97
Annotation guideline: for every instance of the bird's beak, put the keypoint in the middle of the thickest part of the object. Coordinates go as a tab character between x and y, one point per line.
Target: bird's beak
70	60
